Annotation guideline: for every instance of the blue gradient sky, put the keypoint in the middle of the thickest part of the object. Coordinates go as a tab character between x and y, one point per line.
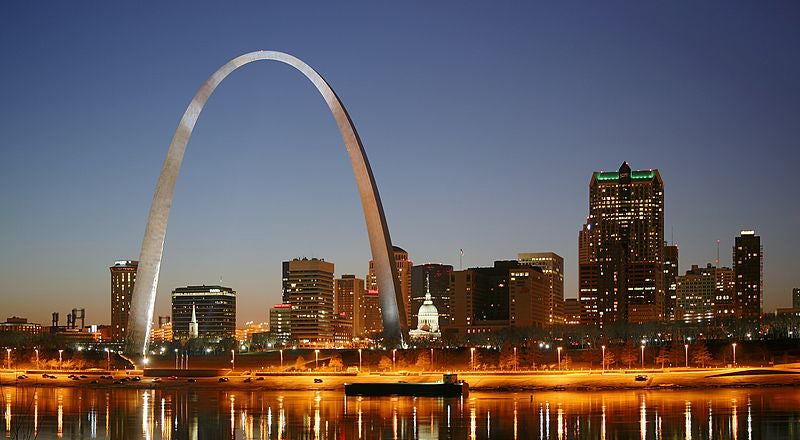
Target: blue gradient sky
482	122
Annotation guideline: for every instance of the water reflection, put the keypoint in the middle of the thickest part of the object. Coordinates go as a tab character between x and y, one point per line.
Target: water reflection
51	413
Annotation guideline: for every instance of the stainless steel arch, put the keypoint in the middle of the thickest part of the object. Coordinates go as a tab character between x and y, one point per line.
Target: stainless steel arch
144	293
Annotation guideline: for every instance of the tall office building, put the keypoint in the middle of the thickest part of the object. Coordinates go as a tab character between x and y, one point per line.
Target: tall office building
552	266
725	297
349	291
123	277
479	297
438	276
309	285
748	266
370	316
796	298
622	243
696	293
214	308
280	323
529	291
403	273
572	311
670	286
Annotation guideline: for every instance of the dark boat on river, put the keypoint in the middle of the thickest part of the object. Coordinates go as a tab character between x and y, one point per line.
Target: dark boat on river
449	386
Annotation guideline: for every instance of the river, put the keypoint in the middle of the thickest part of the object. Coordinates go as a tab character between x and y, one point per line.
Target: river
84	413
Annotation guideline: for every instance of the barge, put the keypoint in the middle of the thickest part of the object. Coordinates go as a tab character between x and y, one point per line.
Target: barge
449	386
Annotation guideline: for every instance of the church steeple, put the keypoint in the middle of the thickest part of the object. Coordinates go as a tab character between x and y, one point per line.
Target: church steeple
194	329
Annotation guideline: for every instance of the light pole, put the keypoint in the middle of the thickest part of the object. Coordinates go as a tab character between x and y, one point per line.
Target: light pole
176	358
515	358
431	358
734	354
281	351
108	360
472	358
603	361
359	360
59	359
394	358
642	356
559	357
686	350
8	357
316	359
233	360
37	357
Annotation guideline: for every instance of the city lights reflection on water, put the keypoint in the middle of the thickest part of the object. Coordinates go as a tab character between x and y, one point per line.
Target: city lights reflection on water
166	414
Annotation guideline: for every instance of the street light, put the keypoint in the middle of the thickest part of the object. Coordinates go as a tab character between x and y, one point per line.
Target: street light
233	360
37	357
515	358
359	360
642	356
734	354
176	358
431	358
8	357
281	351
559	357
603	361
108	359
316	359
472	358
686	349
394	359
59	359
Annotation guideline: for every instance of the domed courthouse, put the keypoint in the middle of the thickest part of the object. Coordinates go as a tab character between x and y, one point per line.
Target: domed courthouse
427	318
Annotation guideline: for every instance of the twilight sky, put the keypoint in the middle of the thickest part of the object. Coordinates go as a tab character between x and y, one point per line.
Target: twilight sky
482	122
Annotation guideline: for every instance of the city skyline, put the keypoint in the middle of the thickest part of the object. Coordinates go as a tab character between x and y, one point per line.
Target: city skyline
82	188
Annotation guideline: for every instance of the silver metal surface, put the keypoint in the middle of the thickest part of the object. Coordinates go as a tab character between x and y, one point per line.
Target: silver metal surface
144	293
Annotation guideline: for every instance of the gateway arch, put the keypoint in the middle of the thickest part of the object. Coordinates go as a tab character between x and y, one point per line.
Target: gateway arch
144	293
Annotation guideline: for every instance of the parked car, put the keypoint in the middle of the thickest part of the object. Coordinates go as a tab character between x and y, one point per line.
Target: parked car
317	380
223	379
641	378
22	377
248	380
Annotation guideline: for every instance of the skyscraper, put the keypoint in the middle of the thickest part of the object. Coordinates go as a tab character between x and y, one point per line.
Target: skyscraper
349	291
623	246
528	292
748	266
435	277
479	297
552	266
725	298
280	323
403	273
309	284
123	277
696	293
370	316
670	286
213	308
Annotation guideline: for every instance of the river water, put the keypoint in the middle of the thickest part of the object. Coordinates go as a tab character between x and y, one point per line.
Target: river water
80	413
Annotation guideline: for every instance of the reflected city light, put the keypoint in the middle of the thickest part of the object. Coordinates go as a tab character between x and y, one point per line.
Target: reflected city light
60	417
326	415
688	418
643	420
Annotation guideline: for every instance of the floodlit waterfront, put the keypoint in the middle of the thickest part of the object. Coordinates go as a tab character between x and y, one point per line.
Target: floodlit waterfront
78	413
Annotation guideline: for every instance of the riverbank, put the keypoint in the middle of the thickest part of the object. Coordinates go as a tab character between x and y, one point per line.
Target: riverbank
786	375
